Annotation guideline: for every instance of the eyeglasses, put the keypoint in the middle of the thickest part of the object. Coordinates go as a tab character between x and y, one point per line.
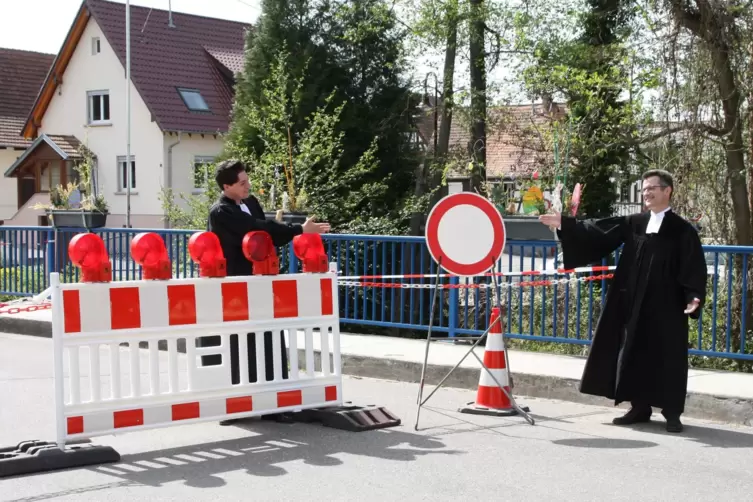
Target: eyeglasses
651	188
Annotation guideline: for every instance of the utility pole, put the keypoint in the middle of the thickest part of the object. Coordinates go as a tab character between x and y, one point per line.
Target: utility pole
128	114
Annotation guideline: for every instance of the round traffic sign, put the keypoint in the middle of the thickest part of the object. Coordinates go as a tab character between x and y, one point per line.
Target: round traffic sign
465	234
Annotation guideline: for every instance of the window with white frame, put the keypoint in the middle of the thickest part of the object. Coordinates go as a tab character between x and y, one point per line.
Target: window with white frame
98	104
123	173
96	46
202	166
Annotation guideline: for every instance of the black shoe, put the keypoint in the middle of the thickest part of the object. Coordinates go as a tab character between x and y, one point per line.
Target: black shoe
634	416
674	424
282	418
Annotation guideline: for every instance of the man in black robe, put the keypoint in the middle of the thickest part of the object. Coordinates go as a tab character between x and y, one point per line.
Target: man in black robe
234	215
639	351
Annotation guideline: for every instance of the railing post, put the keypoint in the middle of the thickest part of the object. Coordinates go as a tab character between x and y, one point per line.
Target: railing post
292	260
452	316
49	256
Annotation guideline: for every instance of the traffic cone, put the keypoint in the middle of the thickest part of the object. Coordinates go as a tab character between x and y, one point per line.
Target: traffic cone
490	400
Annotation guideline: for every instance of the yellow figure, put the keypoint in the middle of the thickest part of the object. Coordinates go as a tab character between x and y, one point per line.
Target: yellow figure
531	199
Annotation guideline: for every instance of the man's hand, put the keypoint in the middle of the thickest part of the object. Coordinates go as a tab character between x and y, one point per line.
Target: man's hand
312	227
553	220
693	306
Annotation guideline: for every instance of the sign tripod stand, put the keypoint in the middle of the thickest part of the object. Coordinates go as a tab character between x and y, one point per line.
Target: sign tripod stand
465	234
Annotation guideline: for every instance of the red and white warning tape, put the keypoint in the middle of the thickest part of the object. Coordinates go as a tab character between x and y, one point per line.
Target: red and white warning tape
402	285
366	281
557	271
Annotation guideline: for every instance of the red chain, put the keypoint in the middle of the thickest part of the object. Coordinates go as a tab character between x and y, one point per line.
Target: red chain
17	310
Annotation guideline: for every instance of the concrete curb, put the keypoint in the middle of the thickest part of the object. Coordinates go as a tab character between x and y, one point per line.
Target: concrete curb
702	406
21	326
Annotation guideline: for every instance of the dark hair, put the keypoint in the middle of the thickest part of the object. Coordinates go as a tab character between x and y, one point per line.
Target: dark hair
227	171
664	177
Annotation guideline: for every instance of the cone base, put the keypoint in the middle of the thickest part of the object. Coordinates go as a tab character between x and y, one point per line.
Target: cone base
474	409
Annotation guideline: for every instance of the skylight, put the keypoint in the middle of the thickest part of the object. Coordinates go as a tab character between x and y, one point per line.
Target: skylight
194	100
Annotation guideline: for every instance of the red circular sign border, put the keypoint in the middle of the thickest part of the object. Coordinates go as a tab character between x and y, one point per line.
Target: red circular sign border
432	231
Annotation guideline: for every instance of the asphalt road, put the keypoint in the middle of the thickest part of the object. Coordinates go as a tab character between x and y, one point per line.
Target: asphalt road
573	453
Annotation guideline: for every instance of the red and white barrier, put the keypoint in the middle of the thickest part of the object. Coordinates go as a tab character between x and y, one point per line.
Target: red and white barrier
105	383
202	303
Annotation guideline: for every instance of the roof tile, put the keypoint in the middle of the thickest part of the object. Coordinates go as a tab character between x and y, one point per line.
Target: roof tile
512	137
164	58
23	73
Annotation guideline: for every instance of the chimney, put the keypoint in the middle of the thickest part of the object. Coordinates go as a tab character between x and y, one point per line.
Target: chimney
170	13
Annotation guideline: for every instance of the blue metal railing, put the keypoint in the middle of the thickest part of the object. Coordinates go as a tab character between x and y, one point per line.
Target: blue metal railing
562	313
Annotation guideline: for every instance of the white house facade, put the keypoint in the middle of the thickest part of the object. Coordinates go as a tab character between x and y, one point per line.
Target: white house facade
178	113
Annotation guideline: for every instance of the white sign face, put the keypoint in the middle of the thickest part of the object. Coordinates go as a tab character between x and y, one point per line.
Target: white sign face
465	234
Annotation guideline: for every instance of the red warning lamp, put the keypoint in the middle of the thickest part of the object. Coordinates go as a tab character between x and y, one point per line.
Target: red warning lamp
88	252
205	249
148	250
310	250
260	250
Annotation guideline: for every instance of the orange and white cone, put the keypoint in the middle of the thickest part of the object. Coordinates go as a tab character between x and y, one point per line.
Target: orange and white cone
490	400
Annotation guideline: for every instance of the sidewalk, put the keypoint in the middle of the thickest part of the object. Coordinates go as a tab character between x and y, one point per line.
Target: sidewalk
712	395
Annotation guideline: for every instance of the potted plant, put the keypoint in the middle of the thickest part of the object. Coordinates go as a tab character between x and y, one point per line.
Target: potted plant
286	157
76	205
289	203
521	212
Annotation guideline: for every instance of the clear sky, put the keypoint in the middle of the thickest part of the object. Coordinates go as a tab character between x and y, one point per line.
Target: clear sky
41	25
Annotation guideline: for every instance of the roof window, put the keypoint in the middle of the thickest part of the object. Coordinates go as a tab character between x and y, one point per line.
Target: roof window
193	100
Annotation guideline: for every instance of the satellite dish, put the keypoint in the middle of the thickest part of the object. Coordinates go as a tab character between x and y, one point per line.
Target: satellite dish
75	198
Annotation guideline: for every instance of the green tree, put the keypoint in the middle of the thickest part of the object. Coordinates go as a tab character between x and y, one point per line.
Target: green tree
348	57
593	72
308	171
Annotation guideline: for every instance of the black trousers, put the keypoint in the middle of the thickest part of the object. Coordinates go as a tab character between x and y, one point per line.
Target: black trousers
667	412
215	360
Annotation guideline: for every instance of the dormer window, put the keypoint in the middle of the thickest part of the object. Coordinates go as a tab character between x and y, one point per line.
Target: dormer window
194	100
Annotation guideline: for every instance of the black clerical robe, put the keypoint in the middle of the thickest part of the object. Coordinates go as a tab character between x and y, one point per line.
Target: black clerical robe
230	223
639	352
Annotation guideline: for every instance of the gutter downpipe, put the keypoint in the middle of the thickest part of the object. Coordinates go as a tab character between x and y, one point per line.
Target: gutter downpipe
170	164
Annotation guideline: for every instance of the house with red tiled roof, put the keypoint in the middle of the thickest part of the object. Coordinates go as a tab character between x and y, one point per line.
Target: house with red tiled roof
183	70
518	143
21	75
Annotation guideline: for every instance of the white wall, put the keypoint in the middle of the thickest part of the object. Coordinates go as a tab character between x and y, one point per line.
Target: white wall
183	155
27	216
67	114
8	186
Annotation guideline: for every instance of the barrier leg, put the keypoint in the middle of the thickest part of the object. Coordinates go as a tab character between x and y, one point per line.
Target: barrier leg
348	417
35	456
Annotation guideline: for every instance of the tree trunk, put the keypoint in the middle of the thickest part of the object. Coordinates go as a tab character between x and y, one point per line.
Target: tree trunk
430	174
735	150
448	82
704	22
477	146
